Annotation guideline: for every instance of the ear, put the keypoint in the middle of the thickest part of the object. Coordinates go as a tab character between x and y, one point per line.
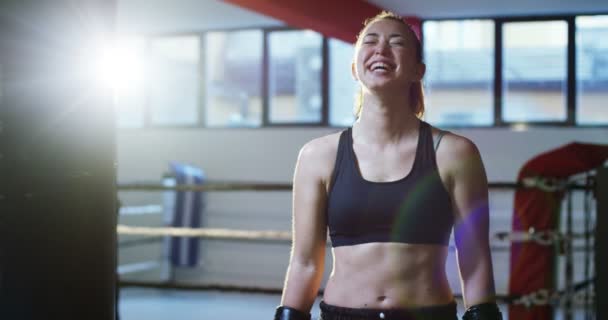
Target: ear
353	71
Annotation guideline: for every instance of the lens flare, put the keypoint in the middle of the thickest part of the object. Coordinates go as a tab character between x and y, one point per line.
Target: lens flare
120	66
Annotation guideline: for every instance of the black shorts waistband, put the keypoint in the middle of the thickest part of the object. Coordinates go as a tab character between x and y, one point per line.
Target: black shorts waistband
435	312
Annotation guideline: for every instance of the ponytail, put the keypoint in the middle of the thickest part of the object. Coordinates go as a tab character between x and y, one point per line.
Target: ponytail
417	98
358	102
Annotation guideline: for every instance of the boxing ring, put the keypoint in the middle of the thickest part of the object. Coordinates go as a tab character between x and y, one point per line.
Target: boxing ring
558	242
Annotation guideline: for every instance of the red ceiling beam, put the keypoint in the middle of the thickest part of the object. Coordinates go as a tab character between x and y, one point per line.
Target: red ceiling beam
336	19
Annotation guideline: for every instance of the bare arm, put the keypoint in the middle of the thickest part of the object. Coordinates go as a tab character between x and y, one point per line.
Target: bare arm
306	264
469	190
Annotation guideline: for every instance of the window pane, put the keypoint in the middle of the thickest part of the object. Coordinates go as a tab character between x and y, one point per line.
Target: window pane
295	76
459	57
233	78
592	70
174	80
535	71
342	86
129	96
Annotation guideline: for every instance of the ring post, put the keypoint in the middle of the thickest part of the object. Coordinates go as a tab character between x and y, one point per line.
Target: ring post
601	244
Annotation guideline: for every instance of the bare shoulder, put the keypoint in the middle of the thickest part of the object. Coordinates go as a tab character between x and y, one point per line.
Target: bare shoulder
454	153
457	147
318	156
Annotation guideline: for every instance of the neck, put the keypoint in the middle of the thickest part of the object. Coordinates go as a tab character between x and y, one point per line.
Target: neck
385	119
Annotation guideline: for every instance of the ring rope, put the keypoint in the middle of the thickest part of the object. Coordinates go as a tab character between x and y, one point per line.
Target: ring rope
528	183
543	297
541	237
206	187
217	233
545	237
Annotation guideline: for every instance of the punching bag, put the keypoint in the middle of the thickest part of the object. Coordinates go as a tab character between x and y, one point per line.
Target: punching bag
57	164
533	264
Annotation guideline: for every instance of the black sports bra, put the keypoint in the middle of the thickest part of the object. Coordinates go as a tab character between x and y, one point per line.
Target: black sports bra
414	209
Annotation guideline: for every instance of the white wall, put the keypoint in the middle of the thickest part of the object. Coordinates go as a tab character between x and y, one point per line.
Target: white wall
269	155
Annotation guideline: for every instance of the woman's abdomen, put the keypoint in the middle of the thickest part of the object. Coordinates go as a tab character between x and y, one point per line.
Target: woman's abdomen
388	275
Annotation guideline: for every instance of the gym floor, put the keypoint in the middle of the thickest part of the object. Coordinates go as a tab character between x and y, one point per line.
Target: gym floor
156	304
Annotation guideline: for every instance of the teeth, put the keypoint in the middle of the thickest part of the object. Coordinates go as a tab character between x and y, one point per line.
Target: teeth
380	65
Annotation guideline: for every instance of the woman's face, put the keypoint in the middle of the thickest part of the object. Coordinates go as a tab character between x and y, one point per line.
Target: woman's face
385	56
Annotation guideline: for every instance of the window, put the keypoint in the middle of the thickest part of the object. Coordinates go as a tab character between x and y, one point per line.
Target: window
592	70
129	96
480	72
233	78
173	90
294	77
535	71
459	80
342	86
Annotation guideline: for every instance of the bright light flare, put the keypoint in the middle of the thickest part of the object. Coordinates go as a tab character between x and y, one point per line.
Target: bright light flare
119	66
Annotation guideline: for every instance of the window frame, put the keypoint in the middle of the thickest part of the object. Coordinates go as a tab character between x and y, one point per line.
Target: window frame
266	123
499	80
452	126
571	90
499	122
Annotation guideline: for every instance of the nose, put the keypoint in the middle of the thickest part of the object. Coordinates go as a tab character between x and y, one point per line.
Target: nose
381	48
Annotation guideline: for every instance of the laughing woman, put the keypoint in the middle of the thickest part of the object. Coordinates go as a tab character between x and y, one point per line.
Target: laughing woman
390	194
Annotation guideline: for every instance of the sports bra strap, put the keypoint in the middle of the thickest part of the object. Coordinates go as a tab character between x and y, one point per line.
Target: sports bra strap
438	139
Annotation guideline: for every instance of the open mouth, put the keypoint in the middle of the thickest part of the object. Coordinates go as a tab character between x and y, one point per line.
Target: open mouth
381	66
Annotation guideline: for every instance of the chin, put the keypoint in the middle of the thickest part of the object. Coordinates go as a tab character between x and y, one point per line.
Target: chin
384	86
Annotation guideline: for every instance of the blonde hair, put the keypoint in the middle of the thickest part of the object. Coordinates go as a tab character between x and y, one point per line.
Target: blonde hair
416	89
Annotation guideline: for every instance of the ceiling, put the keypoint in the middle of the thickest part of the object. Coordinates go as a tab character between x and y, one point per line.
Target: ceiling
169	16
176	16
490	8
